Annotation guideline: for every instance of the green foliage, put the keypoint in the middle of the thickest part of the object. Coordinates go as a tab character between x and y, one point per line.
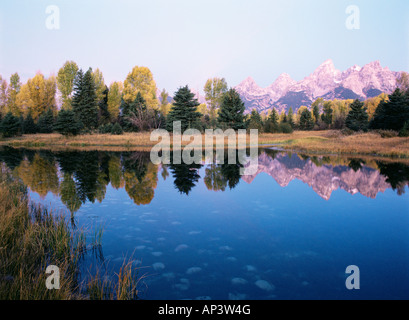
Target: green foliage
65	82
255	121
290	118
67	124
392	114
214	93
316	108
46	122
134	114
357	118
29	127
285	128
231	114
271	124
106	128
184	109
404	132
117	129
306	120
10	126
103	113
326	117
84	99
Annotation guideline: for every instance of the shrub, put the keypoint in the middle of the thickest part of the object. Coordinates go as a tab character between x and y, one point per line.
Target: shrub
29	127
46	122
117	129
347	132
10	126
67	124
104	129
285	128
405	130
387	133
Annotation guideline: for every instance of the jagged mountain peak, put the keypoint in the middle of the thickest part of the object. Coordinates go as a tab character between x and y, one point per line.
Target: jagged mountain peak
326	81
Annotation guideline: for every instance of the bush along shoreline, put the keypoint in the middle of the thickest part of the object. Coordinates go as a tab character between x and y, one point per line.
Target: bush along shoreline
33	238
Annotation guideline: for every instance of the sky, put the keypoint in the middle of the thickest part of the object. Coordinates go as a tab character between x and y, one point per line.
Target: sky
188	41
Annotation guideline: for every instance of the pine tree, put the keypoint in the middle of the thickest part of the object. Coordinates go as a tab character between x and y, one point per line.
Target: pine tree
46	122
316	112
392	114
326	117
84	99
103	113
255	121
271	125
306	120
184	109
116	129
274	118
29	127
67	124
357	119
10	126
290	118
231	113
130	110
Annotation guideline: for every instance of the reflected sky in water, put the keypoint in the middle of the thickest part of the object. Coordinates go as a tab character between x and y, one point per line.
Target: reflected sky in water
287	232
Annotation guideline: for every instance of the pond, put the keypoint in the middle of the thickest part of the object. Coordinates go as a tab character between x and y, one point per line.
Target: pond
289	231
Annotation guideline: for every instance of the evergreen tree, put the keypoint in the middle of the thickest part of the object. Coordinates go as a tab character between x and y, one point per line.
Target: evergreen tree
231	113
103	114
131	110
316	111
116	129
326	117
29	127
67	123
357	118
392	114
290	118
10	126
255	121
404	132
46	122
84	99
271	125
306	120
184	109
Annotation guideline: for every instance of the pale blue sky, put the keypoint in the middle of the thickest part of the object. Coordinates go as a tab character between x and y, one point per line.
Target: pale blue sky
187	41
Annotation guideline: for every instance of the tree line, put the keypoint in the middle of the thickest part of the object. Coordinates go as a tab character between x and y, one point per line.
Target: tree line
87	104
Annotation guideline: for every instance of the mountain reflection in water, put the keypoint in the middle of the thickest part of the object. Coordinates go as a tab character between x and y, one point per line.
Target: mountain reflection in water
77	177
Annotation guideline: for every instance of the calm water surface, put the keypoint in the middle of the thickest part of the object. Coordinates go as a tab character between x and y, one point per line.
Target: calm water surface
203	232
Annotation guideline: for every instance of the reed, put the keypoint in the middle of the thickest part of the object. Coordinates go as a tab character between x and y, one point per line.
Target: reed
33	237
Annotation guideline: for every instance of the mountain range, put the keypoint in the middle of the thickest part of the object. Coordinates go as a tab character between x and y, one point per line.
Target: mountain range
325	82
324	180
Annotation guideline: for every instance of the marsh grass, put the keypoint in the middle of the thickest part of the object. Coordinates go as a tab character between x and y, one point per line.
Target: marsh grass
335	142
33	237
330	141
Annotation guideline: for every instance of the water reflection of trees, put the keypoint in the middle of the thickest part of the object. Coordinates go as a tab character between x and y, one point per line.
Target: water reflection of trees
78	177
397	175
220	174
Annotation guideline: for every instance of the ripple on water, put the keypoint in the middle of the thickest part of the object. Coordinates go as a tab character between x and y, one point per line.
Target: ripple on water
193	270
181	247
238	281
264	285
158	266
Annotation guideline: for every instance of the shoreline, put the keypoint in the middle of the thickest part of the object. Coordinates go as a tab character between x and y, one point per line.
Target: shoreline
328	142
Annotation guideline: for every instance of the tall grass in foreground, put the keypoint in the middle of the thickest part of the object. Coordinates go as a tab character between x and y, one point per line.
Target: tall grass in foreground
32	238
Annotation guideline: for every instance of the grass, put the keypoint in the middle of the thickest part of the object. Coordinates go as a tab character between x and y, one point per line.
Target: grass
371	144
329	141
32	238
